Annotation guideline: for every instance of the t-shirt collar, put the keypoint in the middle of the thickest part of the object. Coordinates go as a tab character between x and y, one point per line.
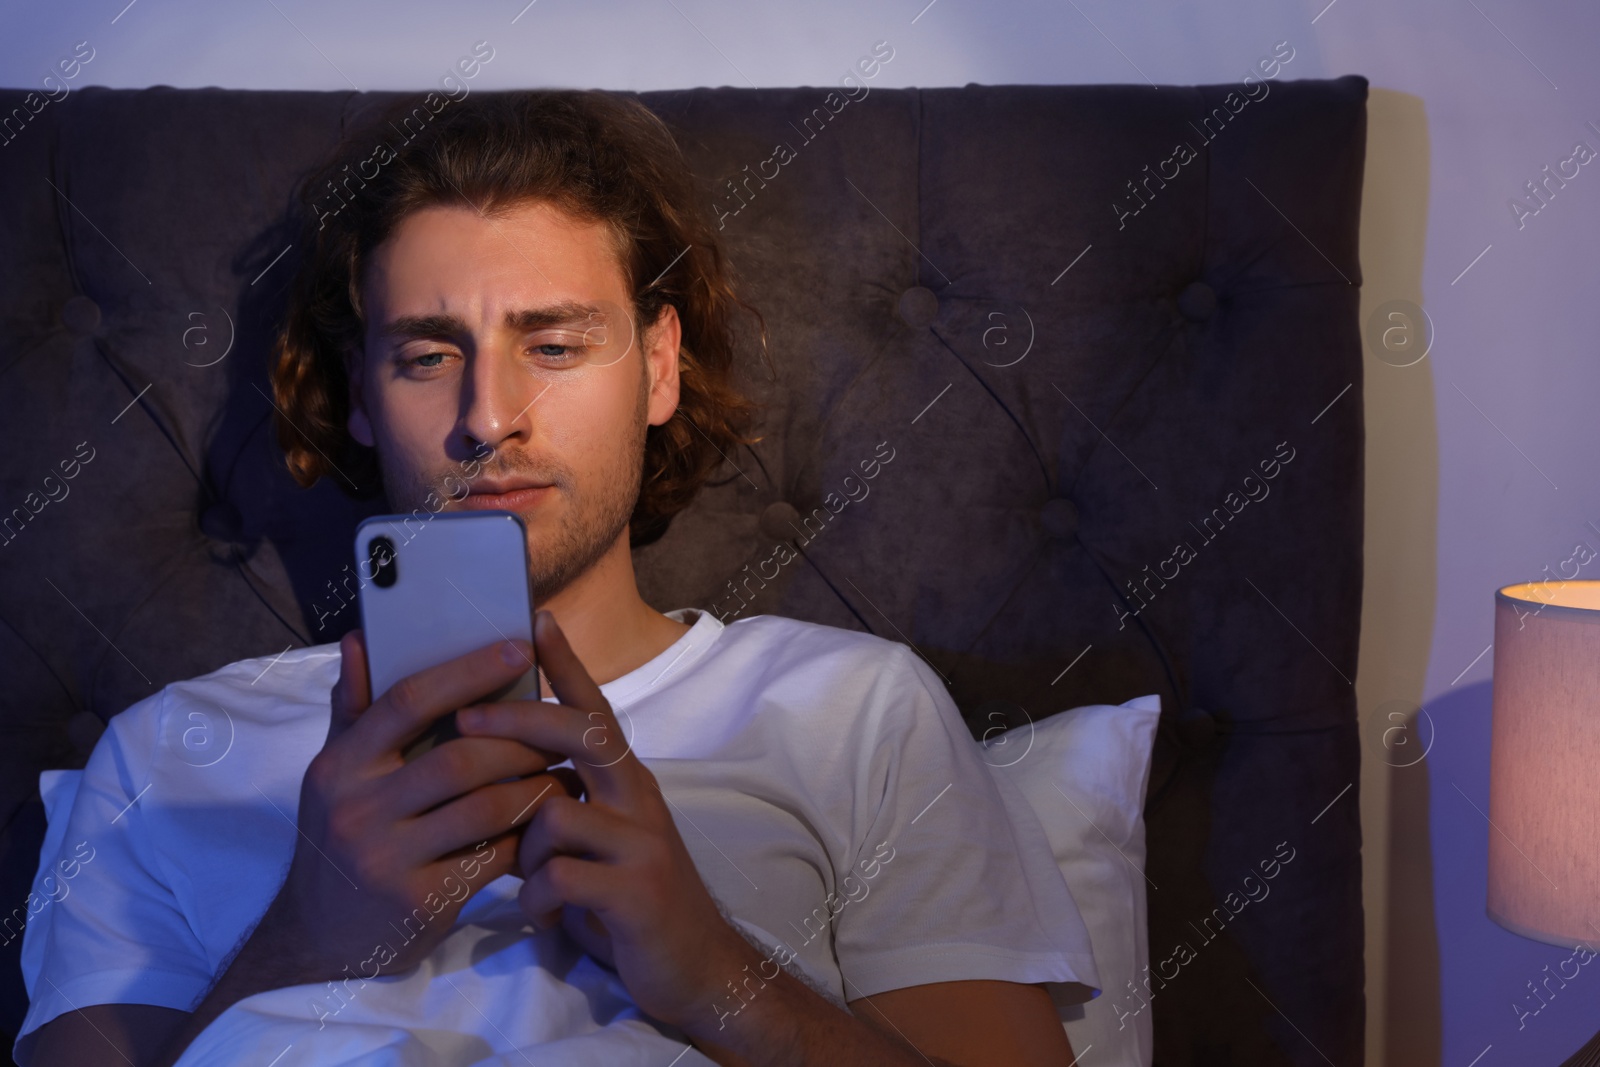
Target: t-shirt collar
676	658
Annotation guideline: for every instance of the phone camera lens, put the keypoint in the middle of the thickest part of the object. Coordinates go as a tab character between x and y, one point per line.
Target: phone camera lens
381	561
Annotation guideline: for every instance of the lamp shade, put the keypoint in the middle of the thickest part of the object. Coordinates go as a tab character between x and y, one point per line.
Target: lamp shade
1544	763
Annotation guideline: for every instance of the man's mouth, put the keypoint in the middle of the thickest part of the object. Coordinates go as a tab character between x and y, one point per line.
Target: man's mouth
510	495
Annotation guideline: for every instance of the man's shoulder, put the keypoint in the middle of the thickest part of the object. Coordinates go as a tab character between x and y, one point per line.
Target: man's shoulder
267	689
295	674
249	725
820	656
801	642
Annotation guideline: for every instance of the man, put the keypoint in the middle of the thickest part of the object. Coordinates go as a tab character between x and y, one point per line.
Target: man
529	304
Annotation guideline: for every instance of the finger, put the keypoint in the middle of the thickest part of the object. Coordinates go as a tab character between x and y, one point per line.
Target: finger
456	767
603	753
399	715
569	679
571	780
564	880
480	863
563	826
483	813
594	741
350	695
517	721
542	918
585	927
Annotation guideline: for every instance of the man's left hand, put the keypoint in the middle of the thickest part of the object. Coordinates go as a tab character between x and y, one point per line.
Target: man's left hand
612	869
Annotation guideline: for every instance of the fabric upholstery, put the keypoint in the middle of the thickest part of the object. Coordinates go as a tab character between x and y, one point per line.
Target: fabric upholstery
1070	391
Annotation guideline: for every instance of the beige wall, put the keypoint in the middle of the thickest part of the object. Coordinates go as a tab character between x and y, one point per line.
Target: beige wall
1398	595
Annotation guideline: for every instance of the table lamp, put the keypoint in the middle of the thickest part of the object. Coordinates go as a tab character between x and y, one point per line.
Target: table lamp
1544	767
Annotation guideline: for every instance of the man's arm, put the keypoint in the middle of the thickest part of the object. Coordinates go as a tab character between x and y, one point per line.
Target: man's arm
614	871
264	961
973	1023
782	1022
147	1035
364	814
105	1033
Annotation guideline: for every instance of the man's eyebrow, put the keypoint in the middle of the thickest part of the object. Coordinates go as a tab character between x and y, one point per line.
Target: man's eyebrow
438	326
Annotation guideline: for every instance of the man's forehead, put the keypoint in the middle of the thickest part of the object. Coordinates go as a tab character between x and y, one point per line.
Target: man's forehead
529	265
445	323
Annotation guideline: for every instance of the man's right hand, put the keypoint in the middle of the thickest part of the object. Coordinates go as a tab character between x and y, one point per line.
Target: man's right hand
382	841
389	851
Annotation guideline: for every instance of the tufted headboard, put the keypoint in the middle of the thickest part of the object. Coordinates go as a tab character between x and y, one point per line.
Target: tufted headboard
1096	345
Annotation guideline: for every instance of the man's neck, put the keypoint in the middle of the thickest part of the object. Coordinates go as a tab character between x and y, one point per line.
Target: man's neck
609	626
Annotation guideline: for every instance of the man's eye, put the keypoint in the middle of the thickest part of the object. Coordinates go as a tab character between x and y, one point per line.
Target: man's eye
426	361
557	354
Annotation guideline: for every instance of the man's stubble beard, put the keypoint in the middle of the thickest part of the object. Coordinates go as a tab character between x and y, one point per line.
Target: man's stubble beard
595	518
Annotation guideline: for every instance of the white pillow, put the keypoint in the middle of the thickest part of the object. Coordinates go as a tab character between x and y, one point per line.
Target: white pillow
1084	772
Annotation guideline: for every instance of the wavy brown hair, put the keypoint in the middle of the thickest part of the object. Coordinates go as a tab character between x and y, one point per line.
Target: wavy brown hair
600	156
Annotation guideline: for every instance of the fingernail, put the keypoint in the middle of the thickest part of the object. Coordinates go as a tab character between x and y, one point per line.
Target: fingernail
511	654
471	718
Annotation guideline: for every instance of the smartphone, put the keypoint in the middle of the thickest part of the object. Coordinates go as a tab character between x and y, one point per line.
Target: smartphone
435	587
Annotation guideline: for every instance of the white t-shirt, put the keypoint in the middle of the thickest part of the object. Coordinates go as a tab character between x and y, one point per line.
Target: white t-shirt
822	779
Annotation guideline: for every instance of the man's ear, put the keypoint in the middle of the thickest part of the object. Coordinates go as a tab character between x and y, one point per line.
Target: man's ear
359	423
662	344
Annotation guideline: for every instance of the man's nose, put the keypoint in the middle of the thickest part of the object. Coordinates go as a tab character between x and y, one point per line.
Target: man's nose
499	398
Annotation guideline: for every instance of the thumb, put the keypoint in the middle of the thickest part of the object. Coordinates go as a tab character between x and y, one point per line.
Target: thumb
352	692
586	928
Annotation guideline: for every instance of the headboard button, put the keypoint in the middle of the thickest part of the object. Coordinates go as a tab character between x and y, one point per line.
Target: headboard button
1198	727
1059	517
780	521
919	307
84	729
221	521
1198	301
80	315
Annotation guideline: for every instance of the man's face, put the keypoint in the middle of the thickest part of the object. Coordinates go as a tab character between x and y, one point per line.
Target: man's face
502	350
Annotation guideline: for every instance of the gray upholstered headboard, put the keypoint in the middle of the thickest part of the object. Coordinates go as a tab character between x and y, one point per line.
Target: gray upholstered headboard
1119	379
